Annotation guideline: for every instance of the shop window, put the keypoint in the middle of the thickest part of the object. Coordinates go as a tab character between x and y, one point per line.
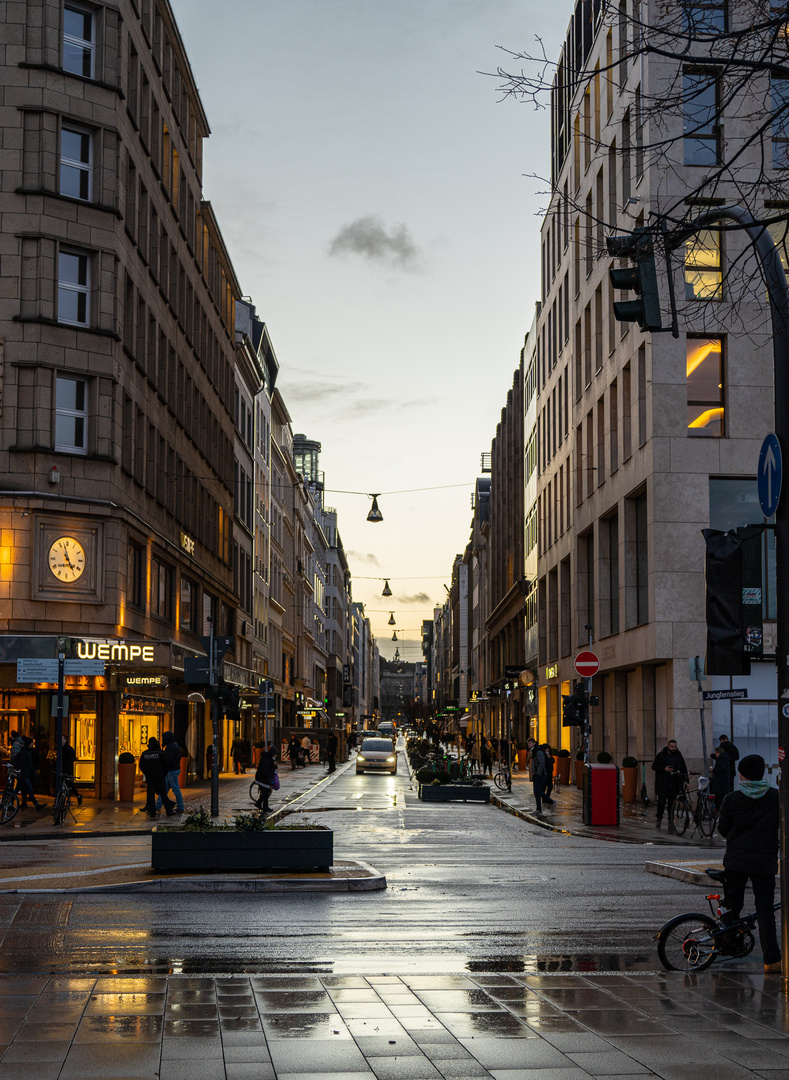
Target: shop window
73	288
704	370
701	130
76	163
79	40
703	266
188	611
82	731
162	590
71	415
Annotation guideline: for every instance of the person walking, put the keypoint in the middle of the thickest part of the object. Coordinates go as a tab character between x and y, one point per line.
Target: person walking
172	763
670	773
734	757
549	765
306	747
264	776
351	741
238	752
154	768
720	775
27	773
749	821
294	751
486	757
538	771
331	751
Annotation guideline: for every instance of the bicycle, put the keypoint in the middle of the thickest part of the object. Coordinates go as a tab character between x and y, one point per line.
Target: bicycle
703	813
691	942
503	778
465	769
62	805
9	801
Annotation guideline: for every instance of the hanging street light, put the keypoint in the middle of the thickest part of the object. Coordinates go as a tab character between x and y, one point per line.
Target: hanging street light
397	654
391	618
375	514
386	590
394	636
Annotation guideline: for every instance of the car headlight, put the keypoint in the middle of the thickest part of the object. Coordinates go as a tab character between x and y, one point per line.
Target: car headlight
391	759
359	757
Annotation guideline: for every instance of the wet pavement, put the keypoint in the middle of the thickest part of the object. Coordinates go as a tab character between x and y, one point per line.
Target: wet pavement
414	1027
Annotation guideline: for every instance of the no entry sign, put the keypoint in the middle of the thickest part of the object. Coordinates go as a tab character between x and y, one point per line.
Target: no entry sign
587	664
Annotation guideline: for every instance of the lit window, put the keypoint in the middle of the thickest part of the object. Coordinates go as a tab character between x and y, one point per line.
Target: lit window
71	415
75	163
704	372
73	288
703	270
78	40
780	125
700	101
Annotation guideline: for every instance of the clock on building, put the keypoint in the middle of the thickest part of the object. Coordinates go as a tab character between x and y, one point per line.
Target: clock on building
66	558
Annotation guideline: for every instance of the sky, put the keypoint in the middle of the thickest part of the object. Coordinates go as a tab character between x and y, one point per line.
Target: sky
378	202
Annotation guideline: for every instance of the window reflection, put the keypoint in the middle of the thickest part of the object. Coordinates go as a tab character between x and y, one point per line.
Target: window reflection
704	372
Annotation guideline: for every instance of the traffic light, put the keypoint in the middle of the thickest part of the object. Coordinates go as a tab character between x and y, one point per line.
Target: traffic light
640	278
575	708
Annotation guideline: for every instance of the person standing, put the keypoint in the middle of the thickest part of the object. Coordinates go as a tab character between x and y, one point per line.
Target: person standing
720	780
27	773
306	746
264	776
294	751
670	773
238	752
549	765
331	751
486	757
734	757
172	763
538	771
351	741
749	821
154	768
68	762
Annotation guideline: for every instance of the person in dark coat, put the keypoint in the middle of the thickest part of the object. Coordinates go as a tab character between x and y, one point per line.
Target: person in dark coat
294	749
153	766
331	751
351	741
749	820
264	774
172	762
486	757
670	774
238	751
549	767
720	770
734	757
68	763
27	773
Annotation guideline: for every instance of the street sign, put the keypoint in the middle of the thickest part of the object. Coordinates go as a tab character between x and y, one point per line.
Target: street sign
723	695
587	664
769	474
35	670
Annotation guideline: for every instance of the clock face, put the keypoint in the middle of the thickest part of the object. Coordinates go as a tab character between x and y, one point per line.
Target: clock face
67	558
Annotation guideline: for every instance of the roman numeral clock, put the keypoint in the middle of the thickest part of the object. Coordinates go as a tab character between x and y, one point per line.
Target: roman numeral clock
68	559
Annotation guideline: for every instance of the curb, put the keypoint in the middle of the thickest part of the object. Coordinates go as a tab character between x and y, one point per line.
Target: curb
372	882
683	872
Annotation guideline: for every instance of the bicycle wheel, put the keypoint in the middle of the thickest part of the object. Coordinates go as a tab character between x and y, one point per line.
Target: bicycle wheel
254	791
59	813
9	806
708	818
500	780
681	814
687	943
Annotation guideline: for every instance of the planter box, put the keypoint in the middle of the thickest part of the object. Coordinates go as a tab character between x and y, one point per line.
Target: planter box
454	793
285	849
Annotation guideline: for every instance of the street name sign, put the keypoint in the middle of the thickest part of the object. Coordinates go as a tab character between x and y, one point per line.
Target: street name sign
587	664
723	695
769	474
36	670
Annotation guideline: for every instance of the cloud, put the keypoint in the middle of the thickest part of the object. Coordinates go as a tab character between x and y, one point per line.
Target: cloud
367	557
417	598
367	236
308	388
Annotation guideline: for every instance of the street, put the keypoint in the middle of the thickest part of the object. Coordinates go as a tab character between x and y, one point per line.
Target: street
469	889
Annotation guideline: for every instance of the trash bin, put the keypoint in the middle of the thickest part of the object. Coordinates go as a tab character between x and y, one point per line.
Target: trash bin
601	795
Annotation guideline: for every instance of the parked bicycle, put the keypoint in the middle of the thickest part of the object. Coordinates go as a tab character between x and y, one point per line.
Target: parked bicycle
702	812
503	778
9	801
693	941
465	769
66	791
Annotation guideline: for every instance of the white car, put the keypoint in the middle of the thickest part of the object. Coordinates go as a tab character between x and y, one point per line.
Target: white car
377	754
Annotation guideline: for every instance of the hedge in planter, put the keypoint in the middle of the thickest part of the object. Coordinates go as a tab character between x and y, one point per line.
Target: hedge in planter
454	792
249	844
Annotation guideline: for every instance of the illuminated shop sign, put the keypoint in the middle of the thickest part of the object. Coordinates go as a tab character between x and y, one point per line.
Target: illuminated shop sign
147	680
552	672
116	650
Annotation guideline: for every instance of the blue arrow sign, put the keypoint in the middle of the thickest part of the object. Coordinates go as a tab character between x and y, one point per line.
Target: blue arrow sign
769	474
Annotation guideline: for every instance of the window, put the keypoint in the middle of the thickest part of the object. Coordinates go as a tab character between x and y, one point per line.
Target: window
76	164
162	590
780	126
700	98
636	561
188	612
79	45
210	608
71	415
704	17
135	576
703	266
779	231
73	288
705	386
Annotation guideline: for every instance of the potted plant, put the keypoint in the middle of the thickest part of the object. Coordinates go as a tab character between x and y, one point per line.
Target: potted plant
629	778
249	842
579	770
127	771
604	758
563	766
523	753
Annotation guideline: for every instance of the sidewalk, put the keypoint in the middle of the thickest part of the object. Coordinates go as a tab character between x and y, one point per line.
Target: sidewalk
97	817
636	824
497	1026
